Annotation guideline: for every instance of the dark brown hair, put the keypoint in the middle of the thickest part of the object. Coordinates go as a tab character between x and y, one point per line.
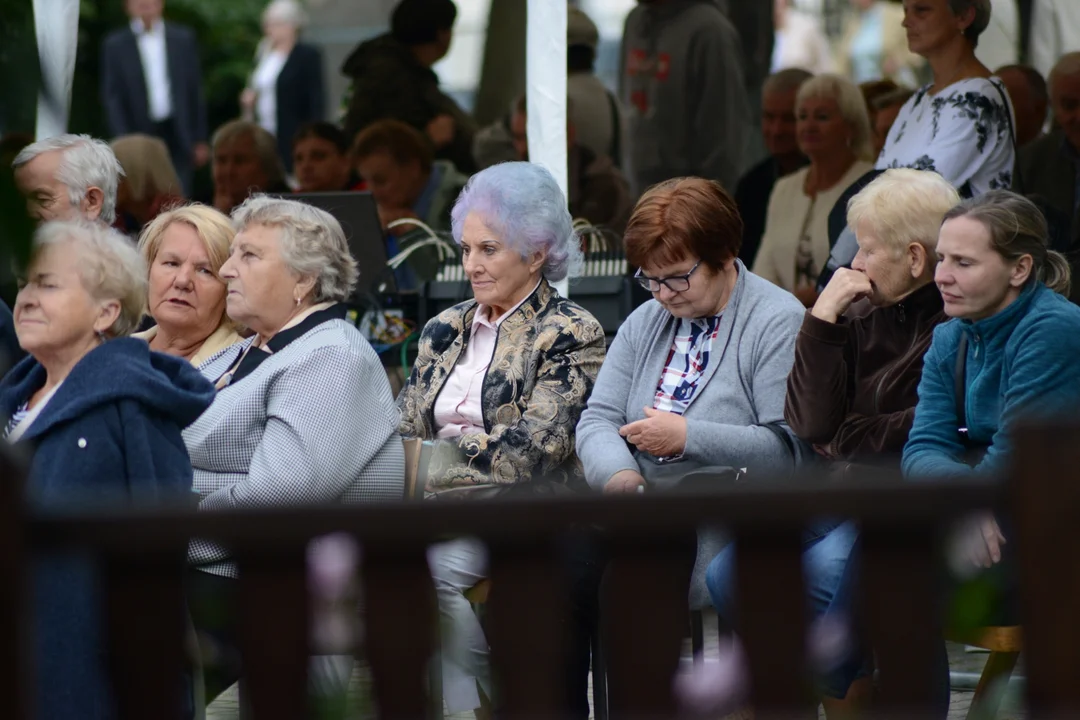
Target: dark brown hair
403	142
683	218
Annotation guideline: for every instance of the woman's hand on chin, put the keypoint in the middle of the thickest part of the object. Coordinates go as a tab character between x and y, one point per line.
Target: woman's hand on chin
624	481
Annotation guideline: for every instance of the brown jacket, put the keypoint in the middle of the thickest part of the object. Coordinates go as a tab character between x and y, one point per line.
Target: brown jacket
853	388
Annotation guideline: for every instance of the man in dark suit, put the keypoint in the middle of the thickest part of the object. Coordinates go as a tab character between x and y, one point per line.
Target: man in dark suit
151	83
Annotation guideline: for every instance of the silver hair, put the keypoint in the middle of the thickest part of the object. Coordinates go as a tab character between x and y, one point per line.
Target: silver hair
313	243
110	266
86	163
287	11
1068	65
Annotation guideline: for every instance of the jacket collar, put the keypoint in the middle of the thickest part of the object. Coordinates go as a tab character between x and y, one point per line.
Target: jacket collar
253	359
526	312
923	303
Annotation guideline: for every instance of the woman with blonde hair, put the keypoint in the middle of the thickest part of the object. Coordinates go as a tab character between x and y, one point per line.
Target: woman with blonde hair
149	182
184	250
833	130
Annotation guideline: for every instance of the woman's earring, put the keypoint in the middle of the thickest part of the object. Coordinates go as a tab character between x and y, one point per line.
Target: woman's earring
101	336
297	302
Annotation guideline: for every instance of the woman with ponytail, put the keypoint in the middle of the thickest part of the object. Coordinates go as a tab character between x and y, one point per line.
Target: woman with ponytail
1009	355
1020	339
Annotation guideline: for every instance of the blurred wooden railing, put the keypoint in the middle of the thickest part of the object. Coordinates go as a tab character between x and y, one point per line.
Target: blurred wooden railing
643	609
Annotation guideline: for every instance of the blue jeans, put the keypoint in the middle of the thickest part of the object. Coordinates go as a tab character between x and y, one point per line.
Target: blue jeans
829	562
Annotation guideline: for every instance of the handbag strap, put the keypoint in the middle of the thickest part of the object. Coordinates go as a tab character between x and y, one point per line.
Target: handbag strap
1018	182
960	379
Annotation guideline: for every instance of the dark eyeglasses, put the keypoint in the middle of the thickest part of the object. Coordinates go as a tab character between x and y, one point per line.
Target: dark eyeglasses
675	283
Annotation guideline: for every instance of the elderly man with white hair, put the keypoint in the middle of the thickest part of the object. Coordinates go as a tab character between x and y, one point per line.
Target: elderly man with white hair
69	177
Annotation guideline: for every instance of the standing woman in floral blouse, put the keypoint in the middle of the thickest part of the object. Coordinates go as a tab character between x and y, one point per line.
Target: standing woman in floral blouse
960	125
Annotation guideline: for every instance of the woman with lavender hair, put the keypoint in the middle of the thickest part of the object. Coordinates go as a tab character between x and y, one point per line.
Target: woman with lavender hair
498	386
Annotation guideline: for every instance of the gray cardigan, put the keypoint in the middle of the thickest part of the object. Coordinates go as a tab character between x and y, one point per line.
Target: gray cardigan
744	388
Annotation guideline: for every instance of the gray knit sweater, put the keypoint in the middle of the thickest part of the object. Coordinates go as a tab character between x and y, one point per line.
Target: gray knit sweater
744	387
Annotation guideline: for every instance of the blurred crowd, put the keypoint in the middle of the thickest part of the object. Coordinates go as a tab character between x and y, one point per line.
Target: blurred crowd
887	285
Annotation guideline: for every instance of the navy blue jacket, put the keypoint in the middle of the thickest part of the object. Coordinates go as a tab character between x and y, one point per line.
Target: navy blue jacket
110	434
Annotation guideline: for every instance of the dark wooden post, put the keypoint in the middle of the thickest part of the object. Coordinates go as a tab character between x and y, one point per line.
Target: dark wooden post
644	616
145	598
274	617
771	610
15	655
1044	499
527	630
400	629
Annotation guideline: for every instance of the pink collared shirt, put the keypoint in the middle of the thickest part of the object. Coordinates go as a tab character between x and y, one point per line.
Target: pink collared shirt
458	409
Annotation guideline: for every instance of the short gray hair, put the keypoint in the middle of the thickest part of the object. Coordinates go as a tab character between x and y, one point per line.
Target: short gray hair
312	243
110	266
286	11
785	81
87	162
1067	65
981	21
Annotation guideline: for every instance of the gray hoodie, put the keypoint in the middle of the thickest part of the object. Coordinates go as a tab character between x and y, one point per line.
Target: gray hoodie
683	85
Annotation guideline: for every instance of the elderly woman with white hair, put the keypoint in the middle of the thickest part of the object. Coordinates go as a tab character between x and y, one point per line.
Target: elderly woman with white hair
285	90
833	130
100	417
499	384
184	249
304	413
69	177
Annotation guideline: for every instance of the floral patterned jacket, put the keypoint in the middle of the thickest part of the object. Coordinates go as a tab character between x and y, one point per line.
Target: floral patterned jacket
547	356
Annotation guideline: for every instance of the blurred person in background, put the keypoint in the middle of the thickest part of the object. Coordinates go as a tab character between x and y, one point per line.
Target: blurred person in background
151	83
149	185
184	250
1055	32
885	109
874	89
245	161
800	41
593	109
392	79
397	165
99	417
1030	98
1050	166
69	177
834	132
320	154
285	89
683	85
874	45
598	191
778	129
933	129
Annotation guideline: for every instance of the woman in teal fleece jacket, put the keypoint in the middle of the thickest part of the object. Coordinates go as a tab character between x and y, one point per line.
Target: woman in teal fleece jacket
1006	293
